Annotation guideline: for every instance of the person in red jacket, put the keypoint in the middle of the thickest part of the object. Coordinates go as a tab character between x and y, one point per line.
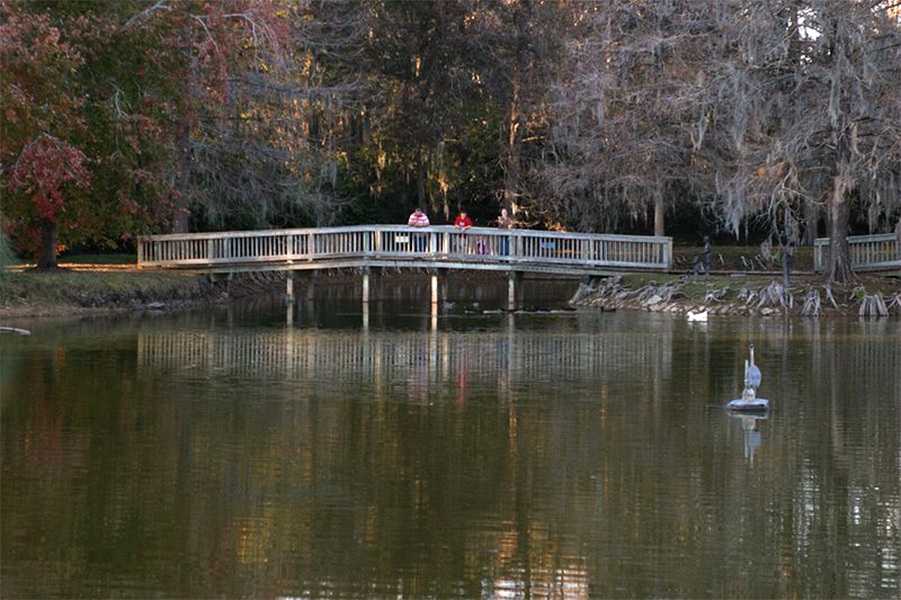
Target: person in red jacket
463	222
461	244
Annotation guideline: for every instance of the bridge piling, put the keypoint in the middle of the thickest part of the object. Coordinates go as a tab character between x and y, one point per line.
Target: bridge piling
435	295
439	285
289	286
365	286
514	281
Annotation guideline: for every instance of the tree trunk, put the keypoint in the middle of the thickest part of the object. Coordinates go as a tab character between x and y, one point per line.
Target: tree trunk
658	212
421	176
47	251
190	91
811	223
511	166
838	261
182	212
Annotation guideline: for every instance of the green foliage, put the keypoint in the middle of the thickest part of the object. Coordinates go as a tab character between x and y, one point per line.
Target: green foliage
7	256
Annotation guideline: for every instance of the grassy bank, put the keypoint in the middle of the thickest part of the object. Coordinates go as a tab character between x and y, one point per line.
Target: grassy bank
31	293
745	258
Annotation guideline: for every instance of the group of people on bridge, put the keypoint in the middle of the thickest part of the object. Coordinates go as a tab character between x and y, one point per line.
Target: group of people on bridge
418	218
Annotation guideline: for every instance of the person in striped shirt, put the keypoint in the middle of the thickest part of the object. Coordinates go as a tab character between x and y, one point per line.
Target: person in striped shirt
419	219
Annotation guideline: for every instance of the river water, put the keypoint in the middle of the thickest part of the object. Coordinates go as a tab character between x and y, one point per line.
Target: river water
225	452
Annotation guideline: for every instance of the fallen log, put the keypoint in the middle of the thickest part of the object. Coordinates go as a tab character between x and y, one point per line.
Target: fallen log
14	330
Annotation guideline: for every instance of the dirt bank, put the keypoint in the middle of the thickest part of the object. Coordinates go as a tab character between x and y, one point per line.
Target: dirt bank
741	295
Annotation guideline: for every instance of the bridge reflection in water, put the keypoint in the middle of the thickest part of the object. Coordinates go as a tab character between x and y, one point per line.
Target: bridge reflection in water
533	358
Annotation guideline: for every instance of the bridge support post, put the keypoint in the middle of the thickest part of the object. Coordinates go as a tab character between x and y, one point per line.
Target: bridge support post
439	286
435	290
366	273
371	283
514	281
289	286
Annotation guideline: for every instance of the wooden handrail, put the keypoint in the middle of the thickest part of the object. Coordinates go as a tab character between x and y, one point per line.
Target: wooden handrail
867	252
443	243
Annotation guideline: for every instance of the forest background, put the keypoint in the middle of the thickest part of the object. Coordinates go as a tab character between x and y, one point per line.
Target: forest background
739	119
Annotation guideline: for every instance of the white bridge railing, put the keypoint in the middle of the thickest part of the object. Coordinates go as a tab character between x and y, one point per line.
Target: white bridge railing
868	252
443	244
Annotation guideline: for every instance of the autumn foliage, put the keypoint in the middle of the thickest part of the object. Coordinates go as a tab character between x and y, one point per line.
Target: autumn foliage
100	102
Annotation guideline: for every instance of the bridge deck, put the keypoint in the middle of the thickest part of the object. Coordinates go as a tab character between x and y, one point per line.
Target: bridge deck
404	247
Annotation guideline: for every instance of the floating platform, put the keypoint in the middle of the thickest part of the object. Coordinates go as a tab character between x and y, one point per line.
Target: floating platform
756	405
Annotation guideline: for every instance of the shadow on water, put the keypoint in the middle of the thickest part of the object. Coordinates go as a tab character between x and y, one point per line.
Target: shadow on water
223	452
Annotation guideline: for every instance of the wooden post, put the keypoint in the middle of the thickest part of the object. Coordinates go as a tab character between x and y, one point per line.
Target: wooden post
511	290
290	286
366	286
140	251
435	295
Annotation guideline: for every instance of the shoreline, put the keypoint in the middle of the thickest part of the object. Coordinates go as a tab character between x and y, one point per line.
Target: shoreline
721	294
98	291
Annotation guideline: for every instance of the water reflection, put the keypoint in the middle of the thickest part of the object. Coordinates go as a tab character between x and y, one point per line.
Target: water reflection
565	455
750	426
536	359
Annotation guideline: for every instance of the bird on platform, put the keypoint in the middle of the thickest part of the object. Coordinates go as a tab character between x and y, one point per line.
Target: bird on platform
752	378
697	316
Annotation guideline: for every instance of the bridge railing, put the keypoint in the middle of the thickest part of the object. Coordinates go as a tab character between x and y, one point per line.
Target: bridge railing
443	243
867	252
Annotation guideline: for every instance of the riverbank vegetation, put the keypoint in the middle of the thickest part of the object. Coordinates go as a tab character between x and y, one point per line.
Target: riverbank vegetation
764	120
742	294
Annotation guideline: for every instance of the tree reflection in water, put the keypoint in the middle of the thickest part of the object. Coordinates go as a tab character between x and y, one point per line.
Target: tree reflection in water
572	456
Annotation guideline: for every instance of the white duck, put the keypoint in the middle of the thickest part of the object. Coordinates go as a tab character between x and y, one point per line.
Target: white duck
697	316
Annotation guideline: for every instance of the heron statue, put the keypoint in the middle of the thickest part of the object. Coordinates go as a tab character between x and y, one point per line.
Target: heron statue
749	399
752	378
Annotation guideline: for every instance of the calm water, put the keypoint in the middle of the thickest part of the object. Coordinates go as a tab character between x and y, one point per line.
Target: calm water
224	453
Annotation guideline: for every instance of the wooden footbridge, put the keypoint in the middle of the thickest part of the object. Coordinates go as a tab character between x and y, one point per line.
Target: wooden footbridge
442	248
436	249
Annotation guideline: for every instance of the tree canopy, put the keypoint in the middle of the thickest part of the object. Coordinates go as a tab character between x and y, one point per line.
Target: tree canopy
126	117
